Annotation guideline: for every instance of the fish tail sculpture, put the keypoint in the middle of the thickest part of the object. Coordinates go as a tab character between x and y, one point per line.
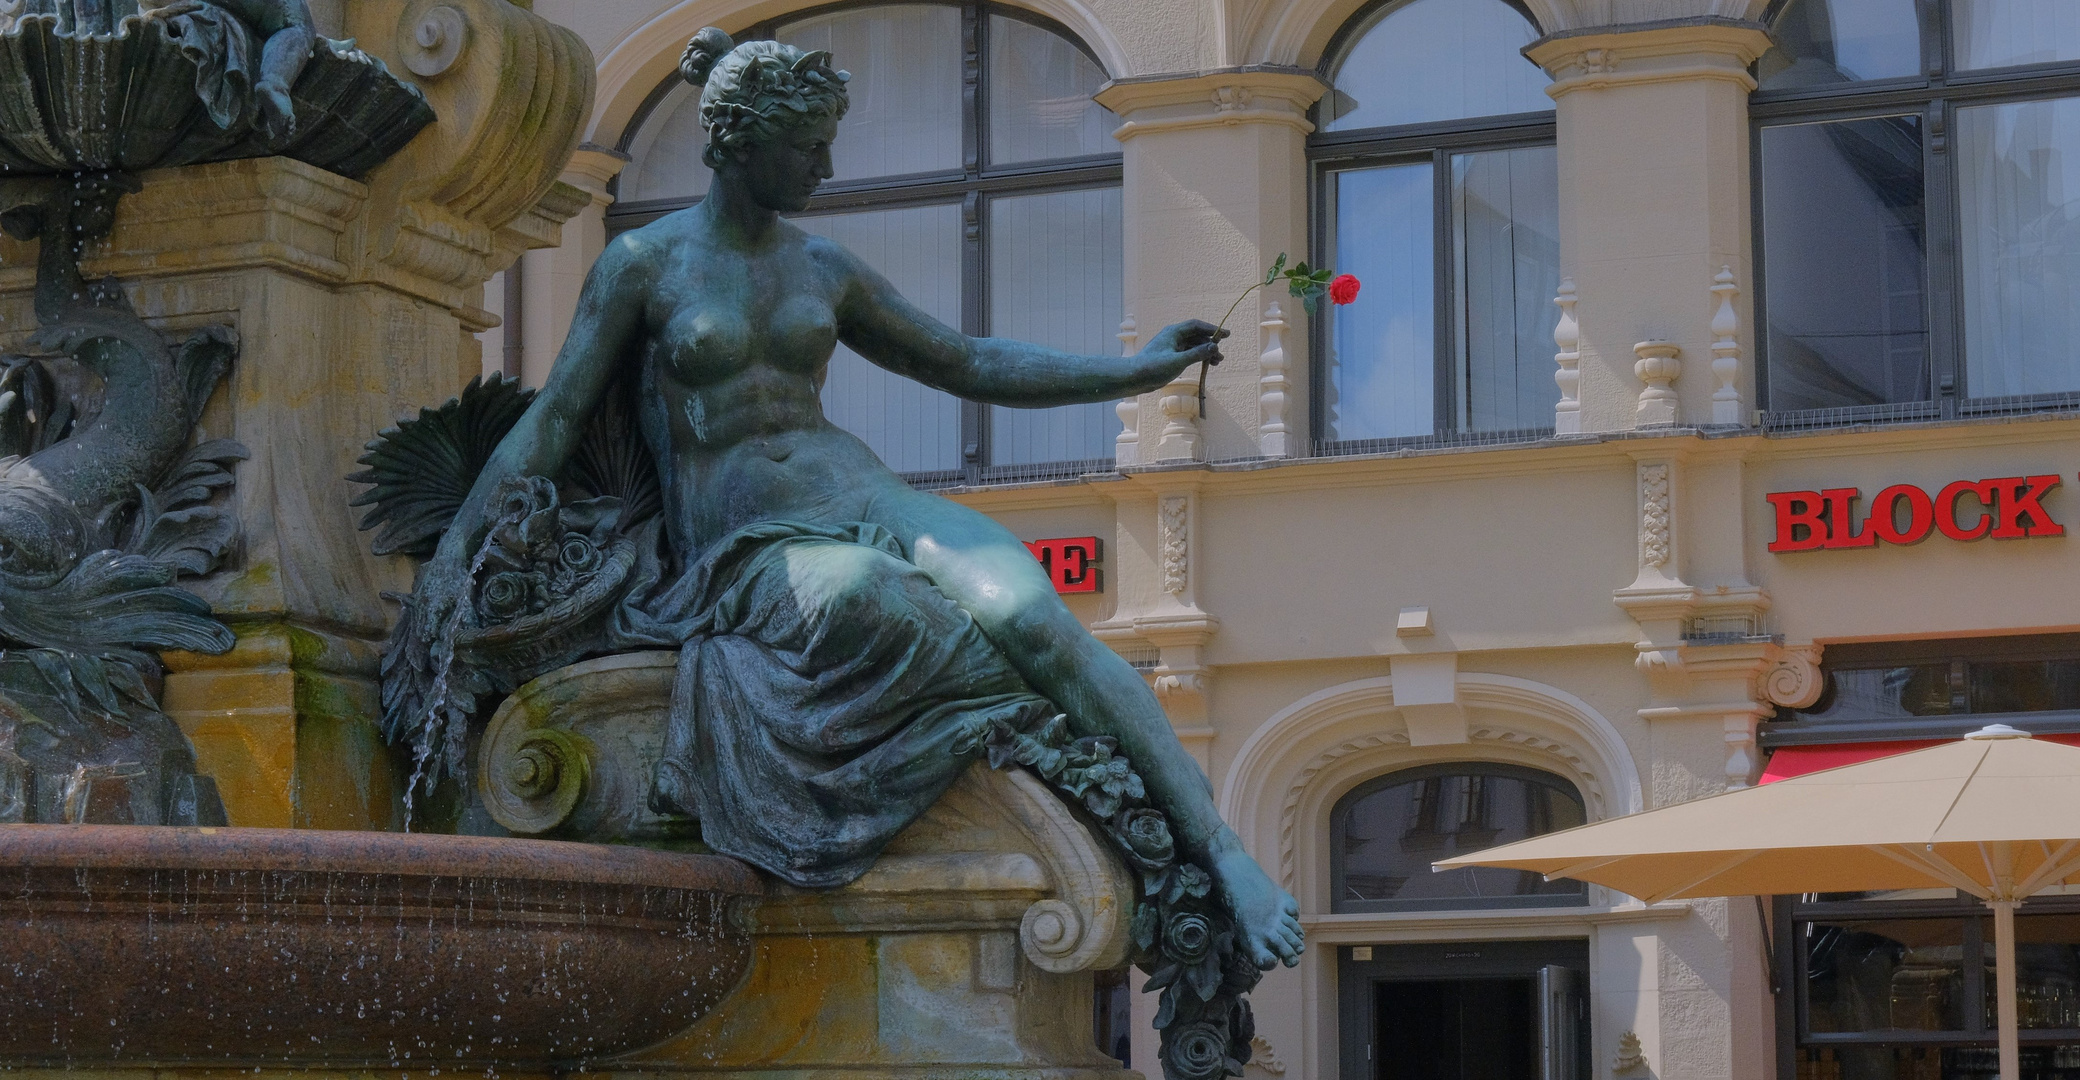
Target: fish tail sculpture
104	505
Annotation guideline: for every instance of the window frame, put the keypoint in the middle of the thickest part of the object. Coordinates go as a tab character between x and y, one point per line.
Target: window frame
1414	773
1434	143
971	188
1790	969
1788	729
1935	96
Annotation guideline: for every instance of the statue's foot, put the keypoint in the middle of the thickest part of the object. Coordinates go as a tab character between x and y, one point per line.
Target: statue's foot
277	113
1267	916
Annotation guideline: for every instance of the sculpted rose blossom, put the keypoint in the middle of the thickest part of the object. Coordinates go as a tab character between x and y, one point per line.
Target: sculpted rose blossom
1147	837
1187	938
1343	290
1197	1052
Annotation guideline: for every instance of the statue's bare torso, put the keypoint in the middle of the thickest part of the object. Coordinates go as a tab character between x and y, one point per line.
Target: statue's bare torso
731	383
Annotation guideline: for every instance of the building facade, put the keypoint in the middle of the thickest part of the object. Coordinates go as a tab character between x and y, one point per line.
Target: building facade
1711	406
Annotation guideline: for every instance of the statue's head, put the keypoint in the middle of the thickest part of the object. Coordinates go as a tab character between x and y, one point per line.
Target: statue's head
769	109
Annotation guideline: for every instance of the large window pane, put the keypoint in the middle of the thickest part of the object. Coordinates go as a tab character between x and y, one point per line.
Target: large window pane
905	61
2047	972
1844	208
1383	353
2019	199
1040	87
2002	33
1388	834
1889	693
1886	975
1824	42
665	157
1437	60
1506	238
913	427
1054	265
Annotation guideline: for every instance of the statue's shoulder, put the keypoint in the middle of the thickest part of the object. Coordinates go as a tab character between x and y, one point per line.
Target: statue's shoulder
826	253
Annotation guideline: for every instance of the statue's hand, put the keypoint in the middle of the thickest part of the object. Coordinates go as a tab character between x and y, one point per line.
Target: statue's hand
1180	345
443	597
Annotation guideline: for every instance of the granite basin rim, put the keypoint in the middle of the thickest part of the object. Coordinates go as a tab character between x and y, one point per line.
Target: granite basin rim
412	855
148	946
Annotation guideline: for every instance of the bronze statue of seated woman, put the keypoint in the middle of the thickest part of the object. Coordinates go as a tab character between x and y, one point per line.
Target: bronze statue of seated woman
847	643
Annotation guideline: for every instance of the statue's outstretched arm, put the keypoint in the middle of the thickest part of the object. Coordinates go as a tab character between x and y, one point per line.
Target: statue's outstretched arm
879	324
603	332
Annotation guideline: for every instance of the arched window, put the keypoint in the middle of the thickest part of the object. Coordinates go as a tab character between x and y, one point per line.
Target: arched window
1920	209
1438	187
1385	834
995	210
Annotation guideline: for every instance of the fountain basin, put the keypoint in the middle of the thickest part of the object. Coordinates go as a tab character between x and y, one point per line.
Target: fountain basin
250	947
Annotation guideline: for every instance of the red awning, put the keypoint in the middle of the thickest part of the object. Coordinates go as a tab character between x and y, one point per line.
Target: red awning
1789	761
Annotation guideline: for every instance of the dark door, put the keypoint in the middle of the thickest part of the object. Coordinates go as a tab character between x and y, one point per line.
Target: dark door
1480	1011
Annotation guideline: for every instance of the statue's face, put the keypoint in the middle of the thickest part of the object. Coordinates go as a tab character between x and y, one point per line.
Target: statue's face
784	172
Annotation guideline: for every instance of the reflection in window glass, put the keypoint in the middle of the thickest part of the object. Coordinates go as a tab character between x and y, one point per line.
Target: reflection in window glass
1506	225
2019	201
1382	363
665	157
1040	87
1825	42
1437	60
2023	686
1844	208
2047	971
1889	975
1388	833
914	428
1055	280
1889	693
2004	33
905	61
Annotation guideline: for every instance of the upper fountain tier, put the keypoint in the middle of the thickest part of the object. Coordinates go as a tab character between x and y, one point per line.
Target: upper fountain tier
95	85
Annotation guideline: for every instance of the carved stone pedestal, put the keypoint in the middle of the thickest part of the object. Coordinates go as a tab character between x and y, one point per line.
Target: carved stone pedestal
967	951
353	301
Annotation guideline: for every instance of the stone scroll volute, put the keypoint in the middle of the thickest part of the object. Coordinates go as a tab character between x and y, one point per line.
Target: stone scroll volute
570	754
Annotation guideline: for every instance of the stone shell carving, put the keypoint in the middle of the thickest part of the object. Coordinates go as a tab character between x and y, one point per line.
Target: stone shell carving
124	97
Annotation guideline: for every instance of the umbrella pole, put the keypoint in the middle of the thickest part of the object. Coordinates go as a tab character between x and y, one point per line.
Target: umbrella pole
2004	975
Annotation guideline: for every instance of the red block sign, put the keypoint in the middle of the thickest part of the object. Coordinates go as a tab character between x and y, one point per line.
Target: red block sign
2004	508
1071	563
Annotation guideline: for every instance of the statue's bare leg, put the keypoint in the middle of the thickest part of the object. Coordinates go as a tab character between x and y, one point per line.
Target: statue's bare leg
991	575
281	63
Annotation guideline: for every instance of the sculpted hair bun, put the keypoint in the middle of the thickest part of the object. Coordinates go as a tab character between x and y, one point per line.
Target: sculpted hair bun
707	47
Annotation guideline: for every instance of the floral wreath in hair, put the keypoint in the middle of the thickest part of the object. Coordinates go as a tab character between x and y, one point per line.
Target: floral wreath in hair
751	92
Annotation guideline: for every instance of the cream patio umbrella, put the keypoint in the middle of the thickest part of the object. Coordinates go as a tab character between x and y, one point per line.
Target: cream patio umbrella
1995	814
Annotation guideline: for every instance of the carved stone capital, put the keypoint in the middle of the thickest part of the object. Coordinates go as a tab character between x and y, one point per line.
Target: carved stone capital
1258	94
1708	46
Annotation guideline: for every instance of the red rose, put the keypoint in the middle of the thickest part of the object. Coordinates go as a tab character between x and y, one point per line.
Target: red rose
1344	289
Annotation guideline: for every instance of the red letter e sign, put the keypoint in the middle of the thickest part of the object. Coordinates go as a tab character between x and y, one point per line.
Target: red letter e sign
2004	508
1071	564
